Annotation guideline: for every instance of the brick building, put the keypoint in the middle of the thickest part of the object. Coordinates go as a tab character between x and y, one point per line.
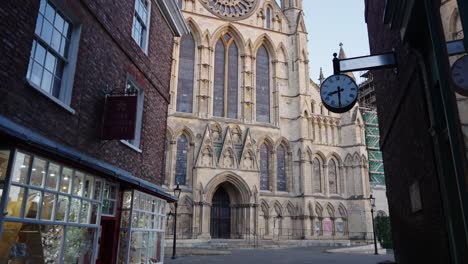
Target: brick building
60	182
422	134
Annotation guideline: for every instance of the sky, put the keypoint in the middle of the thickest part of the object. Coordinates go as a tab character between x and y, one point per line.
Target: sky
330	22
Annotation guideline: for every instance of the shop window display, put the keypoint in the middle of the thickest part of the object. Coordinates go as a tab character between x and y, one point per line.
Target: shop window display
143	222
44	221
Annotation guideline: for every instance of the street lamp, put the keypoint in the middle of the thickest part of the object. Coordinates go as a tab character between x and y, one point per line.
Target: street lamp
372	202
177	191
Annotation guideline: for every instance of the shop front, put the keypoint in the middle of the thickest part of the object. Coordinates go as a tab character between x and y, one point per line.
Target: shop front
55	213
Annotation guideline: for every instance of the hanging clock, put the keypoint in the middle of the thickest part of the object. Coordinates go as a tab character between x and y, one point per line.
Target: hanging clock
460	75
339	93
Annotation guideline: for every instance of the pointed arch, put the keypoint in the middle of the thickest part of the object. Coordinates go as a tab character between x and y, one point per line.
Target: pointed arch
195	29
282	141
356	159
181	160
282	52
187	132
234	32
342	211
330	210
267	42
278	208
291	210
318	210
265	158
263	85
265	207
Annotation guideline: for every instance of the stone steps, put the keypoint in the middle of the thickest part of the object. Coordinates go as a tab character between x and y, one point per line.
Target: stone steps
226	244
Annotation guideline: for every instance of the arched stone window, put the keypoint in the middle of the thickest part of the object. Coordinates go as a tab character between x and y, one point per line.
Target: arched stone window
226	81
332	177
181	160
186	74
263	85
268	18
317	176
264	168
281	182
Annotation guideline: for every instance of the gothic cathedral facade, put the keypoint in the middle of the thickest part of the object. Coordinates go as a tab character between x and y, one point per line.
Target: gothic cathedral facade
252	148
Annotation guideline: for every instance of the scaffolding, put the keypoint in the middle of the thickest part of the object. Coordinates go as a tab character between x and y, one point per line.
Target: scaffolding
376	167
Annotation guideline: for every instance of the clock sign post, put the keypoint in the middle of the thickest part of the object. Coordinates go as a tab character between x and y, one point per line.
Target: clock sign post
339	92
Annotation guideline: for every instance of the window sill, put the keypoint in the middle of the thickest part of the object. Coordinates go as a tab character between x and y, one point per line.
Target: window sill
52	98
126	143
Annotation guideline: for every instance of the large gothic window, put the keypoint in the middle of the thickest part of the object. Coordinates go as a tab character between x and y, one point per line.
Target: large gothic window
317	176
186	74
281	179
263	85
332	177
264	168
181	160
226	81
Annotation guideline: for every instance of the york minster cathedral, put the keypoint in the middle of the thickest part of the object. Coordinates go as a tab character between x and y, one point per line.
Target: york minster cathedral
248	141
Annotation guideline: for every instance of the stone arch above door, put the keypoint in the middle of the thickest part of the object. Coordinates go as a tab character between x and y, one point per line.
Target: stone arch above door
235	181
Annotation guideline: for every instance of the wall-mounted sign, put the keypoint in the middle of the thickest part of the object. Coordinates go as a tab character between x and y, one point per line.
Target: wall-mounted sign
120	116
380	61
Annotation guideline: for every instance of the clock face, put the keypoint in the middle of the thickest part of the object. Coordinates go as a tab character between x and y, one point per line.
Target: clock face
339	93
460	75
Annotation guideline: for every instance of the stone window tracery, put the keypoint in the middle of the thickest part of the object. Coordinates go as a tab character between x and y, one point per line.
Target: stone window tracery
317	176
268	18
181	160
186	74
263	86
231	9
281	179
226	81
332	177
264	168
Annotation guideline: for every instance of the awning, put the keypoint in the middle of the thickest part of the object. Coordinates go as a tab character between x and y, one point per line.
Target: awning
33	139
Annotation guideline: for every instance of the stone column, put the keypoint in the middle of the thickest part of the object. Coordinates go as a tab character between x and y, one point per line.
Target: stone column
326	189
273	171
205	221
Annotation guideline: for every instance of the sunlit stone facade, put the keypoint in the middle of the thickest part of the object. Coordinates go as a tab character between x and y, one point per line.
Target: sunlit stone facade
248	140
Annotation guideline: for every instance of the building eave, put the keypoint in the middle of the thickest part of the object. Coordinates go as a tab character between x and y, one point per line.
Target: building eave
12	130
173	16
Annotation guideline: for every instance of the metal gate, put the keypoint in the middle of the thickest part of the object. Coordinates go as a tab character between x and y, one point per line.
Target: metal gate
220	215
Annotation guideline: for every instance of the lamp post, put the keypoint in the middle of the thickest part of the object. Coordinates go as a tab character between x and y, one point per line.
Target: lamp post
372	202
177	191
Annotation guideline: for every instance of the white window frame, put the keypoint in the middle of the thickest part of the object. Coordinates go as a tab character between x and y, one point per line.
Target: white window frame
68	74
145	38
135	143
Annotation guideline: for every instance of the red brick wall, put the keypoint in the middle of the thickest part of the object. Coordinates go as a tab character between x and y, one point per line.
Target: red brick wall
408	147
107	53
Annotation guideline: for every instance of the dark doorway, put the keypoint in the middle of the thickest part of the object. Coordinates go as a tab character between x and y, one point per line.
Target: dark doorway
220	215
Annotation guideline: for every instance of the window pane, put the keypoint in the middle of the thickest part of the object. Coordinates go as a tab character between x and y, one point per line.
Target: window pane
233	81
65	180
79	245
36	74
264	168
281	184
186	74
32	204
74	210
263	86
53	176
85	212
38	172
39	21
40	54
46	81
61	209
15	201
48	204
78	183
181	160
219	74
21	168
46	33
56	38
97	190
88	186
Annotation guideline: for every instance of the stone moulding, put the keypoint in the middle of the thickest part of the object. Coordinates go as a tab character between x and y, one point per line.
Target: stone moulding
231	9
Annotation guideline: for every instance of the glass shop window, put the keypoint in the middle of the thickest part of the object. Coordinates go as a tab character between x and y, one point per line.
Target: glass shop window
52	213
144	218
4	158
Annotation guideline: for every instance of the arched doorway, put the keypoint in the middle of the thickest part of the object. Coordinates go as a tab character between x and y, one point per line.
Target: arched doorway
220	215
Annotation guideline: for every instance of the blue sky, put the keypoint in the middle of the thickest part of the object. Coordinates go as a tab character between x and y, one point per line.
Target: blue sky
330	22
